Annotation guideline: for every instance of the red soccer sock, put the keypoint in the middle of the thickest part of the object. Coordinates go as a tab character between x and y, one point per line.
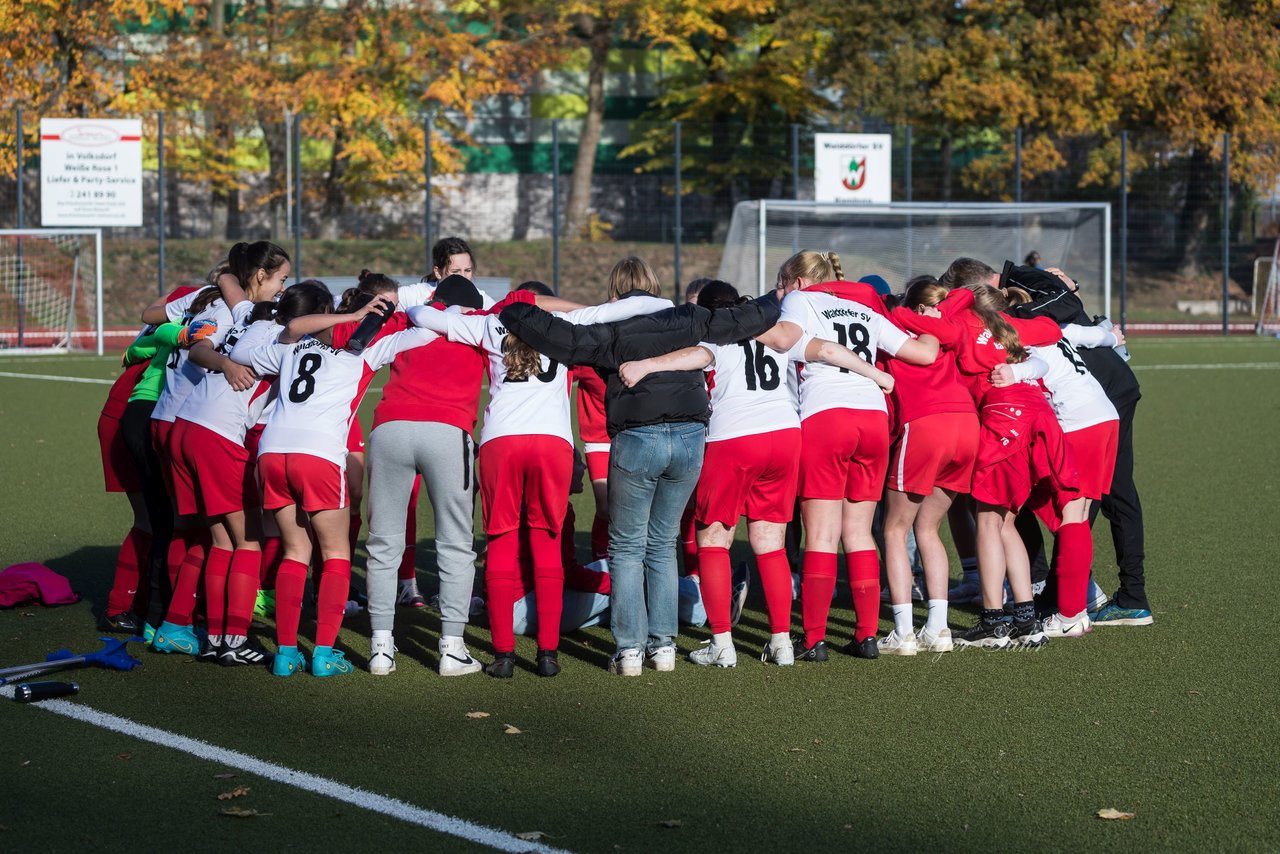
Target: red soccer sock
216	568
242	590
290	582
183	604
272	554
135	549
1075	559
599	537
775	578
331	601
818	575
353	534
689	541
500	579
176	555
864	581
548	584
717	586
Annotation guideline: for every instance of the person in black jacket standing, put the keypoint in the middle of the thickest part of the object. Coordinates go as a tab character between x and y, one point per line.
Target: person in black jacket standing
658	429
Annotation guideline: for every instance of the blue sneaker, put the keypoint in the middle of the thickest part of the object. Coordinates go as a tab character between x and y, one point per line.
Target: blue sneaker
327	661
148	633
171	637
1113	615
288	661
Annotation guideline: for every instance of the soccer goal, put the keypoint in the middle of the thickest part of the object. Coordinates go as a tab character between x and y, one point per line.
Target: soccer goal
50	290
1269	315
905	239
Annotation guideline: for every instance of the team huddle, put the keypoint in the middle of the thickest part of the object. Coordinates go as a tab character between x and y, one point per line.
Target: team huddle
829	412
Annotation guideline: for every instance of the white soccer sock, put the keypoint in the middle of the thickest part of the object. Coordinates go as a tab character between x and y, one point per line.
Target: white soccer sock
902	619
382	634
937	619
722	639
778	639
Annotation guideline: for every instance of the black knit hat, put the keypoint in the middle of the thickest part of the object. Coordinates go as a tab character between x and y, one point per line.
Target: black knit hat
458	290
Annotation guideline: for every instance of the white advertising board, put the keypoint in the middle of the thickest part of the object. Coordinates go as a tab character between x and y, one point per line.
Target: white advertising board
90	172
852	167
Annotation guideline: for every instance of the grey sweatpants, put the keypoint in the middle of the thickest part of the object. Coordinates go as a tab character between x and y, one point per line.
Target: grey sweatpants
445	457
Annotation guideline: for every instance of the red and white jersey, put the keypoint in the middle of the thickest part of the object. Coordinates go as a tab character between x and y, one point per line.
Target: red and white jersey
214	404
750	394
320	389
1076	397
177	309
182	375
849	324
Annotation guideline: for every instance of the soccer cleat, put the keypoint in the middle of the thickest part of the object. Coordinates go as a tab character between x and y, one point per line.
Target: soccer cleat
236	650
927	641
327	661
967	592
779	651
148	633
1097	599
866	648
265	604
503	666
455	660
817	652
548	662
126	623
171	637
1028	635
987	634
288	661
626	662
713	655
407	595
1057	626
661	659
896	644
382	656
1112	614
741	585
210	649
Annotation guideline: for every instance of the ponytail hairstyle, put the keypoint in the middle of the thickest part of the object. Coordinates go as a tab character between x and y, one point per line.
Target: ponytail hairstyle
717	294
520	360
446	249
1016	295
265	310
309	297
812	267
371	284
203	300
246	259
989	304
633	274
923	291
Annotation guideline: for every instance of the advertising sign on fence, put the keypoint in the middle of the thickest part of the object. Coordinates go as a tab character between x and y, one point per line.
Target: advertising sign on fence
852	167
90	172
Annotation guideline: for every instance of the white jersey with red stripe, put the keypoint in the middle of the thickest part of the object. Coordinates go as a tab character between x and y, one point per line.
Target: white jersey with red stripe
182	375
1075	395
177	309
850	324
214	404
750	393
320	389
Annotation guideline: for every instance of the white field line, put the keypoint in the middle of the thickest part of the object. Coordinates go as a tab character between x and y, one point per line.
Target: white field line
53	378
496	839
1248	366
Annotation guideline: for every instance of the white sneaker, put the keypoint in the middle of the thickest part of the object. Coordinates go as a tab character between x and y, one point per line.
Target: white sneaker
741	584
662	659
455	660
930	642
1058	626
382	656
1097	599
896	644
780	651
967	592
626	663
715	655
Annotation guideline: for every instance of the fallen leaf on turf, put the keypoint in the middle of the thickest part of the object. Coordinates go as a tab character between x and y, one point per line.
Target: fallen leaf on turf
124	756
224	776
26	763
534	835
671	822
817	741
241	812
1112	814
1193	693
511	730
237	792
795	750
476	715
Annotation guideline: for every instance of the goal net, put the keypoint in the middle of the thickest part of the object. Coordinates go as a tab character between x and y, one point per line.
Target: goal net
50	290
901	240
1269	315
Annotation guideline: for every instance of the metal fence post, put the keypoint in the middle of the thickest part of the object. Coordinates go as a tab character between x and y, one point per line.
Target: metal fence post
1226	231
22	223
795	161
297	197
1124	228
555	206
160	277
910	225
22	217
910	194
1017	166
426	201
678	234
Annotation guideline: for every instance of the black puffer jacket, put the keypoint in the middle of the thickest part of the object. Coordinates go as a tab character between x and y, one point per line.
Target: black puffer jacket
667	396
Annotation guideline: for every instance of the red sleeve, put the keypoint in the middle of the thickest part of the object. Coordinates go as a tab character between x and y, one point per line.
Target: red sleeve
957	300
510	299
939	327
1036	331
342	333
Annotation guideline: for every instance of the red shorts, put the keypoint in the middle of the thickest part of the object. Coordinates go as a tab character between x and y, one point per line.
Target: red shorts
252	437
597	454
118	468
312	482
844	453
160	433
755	476
1036	469
935	451
1094	449
355	437
525	477
211	474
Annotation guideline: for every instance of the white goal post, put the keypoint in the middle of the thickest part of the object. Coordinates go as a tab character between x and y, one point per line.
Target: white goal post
50	290
905	239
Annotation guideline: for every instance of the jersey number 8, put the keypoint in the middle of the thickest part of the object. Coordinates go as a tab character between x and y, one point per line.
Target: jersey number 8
305	385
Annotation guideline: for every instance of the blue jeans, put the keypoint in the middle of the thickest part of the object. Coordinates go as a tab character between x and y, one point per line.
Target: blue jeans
652	473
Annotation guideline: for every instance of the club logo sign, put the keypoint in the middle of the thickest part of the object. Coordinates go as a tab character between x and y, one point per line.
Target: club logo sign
853	167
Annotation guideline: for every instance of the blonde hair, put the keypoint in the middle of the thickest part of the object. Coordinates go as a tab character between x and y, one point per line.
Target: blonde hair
633	274
520	360
923	290
812	267
989	304
1016	295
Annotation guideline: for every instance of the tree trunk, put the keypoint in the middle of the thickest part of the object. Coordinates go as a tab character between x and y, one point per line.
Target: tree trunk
1193	223
219	213
944	154
275	134
335	195
584	164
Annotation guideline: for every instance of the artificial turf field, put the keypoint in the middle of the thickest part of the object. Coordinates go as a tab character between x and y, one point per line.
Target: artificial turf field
1176	723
